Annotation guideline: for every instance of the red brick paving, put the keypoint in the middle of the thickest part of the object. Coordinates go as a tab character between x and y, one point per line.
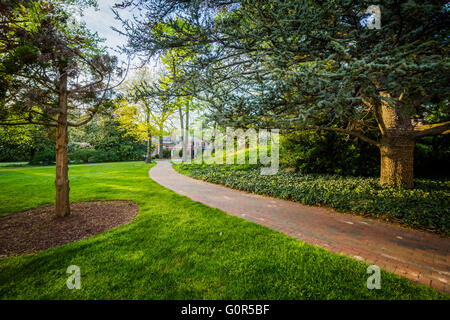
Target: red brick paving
419	256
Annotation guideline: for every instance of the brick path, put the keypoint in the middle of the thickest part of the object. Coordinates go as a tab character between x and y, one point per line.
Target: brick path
419	256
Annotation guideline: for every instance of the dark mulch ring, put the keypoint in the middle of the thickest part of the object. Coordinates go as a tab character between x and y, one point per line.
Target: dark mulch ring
39	229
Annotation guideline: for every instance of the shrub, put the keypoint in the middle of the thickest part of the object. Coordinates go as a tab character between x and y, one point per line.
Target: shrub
82	155
45	158
45	155
329	153
334	153
166	153
101	156
426	206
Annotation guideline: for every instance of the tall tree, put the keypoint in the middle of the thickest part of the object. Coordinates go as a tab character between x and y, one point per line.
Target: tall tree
314	64
57	75
144	92
162	113
136	121
171	87
134	111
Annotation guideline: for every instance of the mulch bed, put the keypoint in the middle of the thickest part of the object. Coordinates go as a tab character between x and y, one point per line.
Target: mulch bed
39	229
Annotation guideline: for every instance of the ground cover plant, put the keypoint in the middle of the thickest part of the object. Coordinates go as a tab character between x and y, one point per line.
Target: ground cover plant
175	249
427	206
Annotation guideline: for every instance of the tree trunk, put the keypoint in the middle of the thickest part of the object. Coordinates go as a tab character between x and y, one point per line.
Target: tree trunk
186	155
180	112
62	204
397	162
213	139
397	145
160	146
148	158
31	155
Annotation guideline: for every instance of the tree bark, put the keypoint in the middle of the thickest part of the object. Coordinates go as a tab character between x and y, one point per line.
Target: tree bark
213	139
180	112
62	204
148	158
31	155
186	149
397	162
161	147
397	145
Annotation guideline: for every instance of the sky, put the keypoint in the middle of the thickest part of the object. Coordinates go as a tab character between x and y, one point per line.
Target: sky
101	21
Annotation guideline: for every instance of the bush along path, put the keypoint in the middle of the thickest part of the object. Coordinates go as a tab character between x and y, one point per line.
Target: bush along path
419	256
426	207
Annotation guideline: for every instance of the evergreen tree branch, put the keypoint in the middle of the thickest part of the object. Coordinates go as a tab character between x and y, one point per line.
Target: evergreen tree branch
353	133
432	129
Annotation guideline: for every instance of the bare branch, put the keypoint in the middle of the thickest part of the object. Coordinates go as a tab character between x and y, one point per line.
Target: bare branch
353	133
26	123
432	129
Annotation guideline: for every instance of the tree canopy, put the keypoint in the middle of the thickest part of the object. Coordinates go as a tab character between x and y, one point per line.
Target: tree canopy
54	72
43	42
311	64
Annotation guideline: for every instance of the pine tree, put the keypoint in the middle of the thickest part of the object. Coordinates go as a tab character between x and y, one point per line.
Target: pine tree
314	64
54	73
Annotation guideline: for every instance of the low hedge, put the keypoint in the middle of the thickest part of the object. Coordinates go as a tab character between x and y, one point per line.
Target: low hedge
425	207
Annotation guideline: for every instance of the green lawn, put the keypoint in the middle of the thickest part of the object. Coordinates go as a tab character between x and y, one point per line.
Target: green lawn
174	250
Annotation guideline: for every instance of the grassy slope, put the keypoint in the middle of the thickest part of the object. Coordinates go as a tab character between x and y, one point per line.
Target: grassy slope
173	250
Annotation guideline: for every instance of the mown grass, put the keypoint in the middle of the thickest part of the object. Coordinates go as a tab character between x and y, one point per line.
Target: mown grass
427	206
176	249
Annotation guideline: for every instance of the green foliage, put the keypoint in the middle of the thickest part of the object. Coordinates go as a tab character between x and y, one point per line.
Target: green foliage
432	156
107	143
44	154
427	206
333	153
166	153
301	63
307	65
104	139
38	41
14	143
328	152
432	153
176	249
28	143
82	155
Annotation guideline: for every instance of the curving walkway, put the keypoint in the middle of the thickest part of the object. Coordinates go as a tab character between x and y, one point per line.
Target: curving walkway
419	256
